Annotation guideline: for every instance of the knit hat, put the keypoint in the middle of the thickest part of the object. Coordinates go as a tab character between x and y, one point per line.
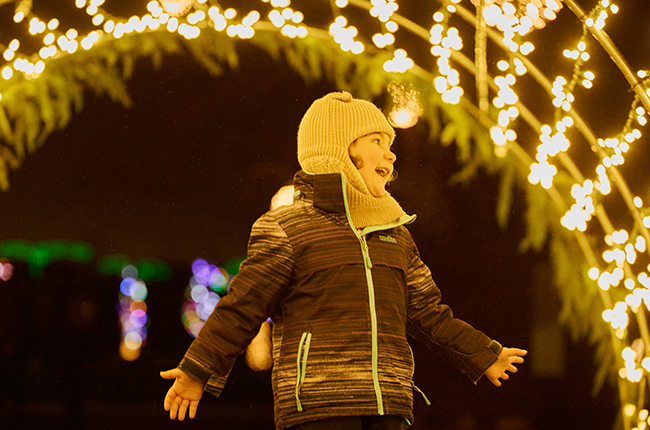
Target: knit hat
326	131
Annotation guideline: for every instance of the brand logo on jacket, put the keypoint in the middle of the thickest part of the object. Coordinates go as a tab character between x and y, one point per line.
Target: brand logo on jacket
387	238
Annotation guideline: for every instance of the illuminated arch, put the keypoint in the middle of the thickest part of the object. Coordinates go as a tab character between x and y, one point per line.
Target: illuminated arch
412	53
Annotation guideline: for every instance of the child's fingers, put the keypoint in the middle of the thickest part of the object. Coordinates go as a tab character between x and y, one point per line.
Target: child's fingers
496	382
182	408
193	406
169	374
514	360
169	400
173	409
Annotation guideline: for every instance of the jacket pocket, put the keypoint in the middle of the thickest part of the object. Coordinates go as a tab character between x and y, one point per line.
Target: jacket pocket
415	387
301	365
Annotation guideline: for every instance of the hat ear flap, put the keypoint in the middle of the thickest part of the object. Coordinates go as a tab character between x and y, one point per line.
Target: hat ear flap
324	164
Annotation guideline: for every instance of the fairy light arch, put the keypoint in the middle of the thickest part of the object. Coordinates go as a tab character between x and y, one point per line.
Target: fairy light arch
490	123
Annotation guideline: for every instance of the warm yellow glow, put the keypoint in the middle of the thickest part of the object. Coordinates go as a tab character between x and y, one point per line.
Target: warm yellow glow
7	72
640	244
383	40
176	7
620	236
38	68
400	62
283	197
383	10
542	173
230	13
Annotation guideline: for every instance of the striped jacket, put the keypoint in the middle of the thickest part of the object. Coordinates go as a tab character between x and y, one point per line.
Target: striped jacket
342	303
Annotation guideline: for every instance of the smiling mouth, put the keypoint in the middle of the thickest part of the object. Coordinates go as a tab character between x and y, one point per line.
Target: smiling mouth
383	172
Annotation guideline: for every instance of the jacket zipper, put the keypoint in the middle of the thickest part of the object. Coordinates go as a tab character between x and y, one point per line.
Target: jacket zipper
373	324
371	289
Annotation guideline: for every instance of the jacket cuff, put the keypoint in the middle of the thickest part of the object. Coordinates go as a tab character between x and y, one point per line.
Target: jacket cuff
212	383
495	347
481	361
195	370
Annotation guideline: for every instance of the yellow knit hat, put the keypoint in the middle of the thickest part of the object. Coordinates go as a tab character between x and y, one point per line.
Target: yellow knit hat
326	131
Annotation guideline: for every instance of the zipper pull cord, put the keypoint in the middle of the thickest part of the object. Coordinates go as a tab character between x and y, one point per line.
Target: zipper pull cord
301	365
424	396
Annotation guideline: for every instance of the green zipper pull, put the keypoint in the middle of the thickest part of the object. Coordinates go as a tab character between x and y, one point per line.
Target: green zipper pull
426	400
301	366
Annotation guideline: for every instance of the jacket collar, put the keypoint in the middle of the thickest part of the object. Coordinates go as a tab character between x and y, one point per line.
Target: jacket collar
324	190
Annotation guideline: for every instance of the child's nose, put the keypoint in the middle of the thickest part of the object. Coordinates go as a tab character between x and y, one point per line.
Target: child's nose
390	156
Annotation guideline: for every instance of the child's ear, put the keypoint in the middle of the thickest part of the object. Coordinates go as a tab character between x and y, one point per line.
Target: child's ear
357	161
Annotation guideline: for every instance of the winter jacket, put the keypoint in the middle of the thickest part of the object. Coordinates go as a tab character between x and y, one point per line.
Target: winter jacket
342	302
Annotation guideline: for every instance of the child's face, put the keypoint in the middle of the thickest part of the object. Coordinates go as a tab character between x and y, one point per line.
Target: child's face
374	160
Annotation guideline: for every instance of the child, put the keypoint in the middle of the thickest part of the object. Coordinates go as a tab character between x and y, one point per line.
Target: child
341	278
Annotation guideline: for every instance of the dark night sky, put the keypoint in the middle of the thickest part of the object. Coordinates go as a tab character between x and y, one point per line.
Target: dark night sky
187	170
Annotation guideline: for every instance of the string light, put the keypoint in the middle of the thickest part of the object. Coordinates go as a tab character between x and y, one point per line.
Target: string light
344	36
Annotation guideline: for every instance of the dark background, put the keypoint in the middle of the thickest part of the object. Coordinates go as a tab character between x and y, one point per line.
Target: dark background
184	174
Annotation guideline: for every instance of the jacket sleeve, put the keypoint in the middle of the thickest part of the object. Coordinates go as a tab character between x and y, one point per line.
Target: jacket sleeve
433	323
253	295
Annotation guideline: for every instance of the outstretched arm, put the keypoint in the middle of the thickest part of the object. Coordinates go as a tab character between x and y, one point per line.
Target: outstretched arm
185	392
505	363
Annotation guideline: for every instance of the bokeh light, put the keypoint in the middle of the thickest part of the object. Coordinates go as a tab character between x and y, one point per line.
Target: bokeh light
41	254
207	285
406	105
283	197
132	311
6	269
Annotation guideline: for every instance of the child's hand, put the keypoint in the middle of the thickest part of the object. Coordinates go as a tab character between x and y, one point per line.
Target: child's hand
185	392
506	362
259	355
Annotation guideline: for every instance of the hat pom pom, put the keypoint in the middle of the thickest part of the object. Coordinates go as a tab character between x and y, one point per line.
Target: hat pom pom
343	96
